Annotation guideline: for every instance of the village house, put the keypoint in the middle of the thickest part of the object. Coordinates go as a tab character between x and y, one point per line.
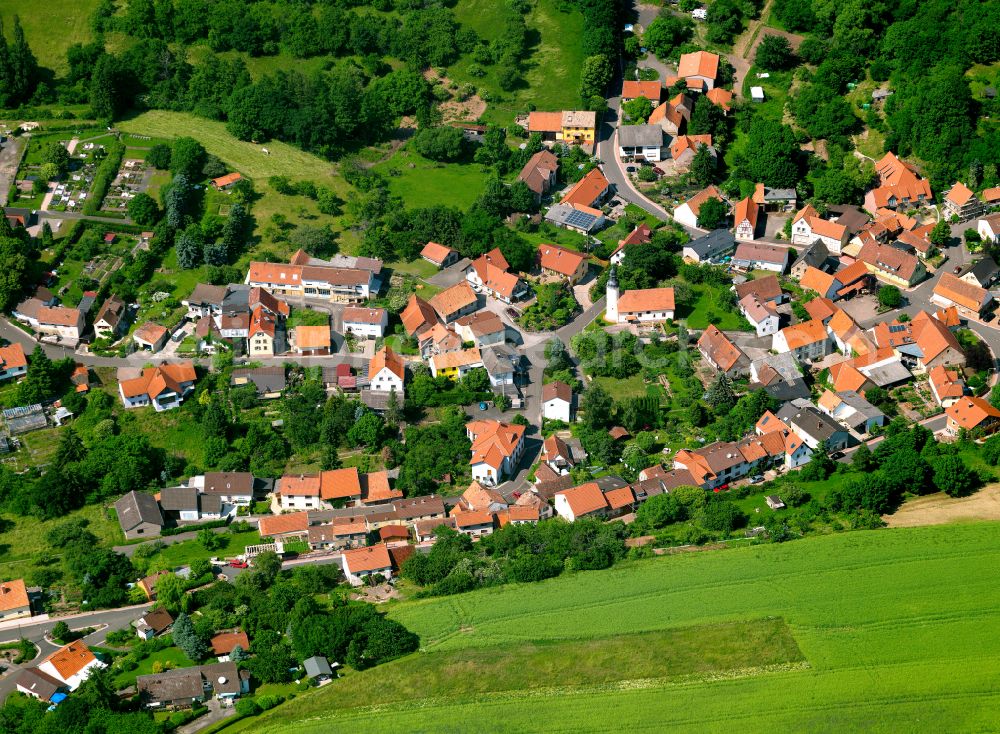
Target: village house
588	192
807	340
483	328
640	141
336	536
110	320
720	352
164	387
13	362
573	127
813	426
559	262
642	306
969	299
671	116
808	227
891	265
774	200
745	217
312	341
983	273
539	173
575	217
307	277
224	183
14	600
710	247
972	414
684	147
139	515
851	410
946	385
758	256
265	337
989	228
419	316
386	372
42	686
205	300
455	365
651	90
440	255
814	256
700	69
713	465
285	526
367	323
641	235
150	336
153	623
900	186
181	688
490	274
557	401
921	343
587	500
361	564
71	664
762	315
497	449
475	524
224	643
557	455
47	320
687	214
797	452
961	202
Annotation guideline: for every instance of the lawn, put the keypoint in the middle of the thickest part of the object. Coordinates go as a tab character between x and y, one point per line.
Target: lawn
173	430
51	29
551	69
630	387
173	655
892	625
422	182
188	551
23	538
706	310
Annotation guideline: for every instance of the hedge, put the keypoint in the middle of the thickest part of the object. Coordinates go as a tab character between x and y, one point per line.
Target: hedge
106	173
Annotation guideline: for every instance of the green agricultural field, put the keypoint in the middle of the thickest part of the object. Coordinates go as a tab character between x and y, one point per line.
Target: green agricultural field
422	182
893	626
551	71
50	33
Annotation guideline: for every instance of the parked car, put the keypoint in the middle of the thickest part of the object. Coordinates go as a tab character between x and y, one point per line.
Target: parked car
756	479
837	455
957	270
630	169
239	564
513	313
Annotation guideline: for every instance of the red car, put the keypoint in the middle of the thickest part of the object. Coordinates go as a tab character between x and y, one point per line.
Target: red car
239	564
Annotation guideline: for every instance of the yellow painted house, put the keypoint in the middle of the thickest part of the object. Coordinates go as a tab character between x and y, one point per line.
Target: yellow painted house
570	126
454	365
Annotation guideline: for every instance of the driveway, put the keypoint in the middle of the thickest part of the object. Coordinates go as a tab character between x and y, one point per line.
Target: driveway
450	275
216	713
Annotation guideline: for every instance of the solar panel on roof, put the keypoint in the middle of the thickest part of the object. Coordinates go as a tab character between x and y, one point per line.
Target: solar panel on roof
580	219
896	328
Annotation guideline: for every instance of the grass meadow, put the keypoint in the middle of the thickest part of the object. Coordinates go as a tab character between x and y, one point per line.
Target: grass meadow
51	27
894	627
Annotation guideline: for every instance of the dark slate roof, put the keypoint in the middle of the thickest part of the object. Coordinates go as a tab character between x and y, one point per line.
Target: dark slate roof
210	504
228	482
176	499
984	269
317	665
716	242
815	255
265	379
171	685
640	136
136	508
237	298
810	420
849	216
784	391
39	683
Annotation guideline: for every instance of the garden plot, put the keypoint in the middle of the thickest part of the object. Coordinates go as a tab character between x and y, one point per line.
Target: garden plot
133	178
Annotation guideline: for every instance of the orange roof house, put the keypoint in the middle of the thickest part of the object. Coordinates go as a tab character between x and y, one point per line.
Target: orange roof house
961	201
454	301
643	304
899	185
544	122
361	562
991	196
158	382
721	353
312	337
701	66
438	254
687	144
294	523
815	279
224	642
946	385
496	449
651	90
587	499
588	191
70	664
224	182
720	98
335	484
950	290
418	316
972	414
14	601
13	361
562	262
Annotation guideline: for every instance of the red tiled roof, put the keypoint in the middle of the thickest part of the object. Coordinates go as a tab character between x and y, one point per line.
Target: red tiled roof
588	189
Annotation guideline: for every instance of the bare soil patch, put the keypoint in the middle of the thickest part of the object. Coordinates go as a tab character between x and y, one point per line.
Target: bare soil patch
939	509
455	109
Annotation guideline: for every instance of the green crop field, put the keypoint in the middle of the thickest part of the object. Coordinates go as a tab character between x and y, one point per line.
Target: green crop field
422	182
894	625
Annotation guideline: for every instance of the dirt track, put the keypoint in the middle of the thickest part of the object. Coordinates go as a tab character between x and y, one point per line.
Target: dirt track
938	509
